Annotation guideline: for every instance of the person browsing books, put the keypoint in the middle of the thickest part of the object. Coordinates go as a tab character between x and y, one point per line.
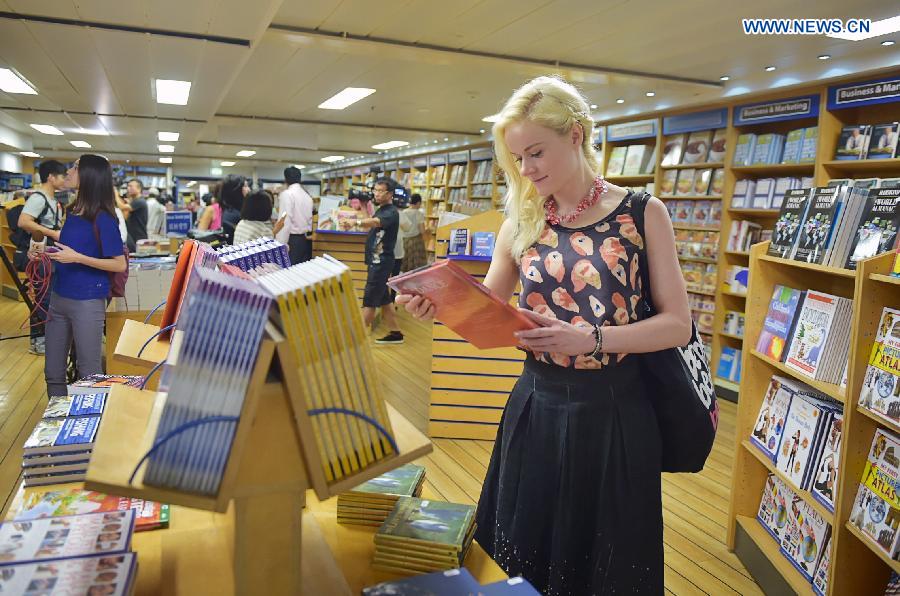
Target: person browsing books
295	212
572	495
89	249
383	228
414	240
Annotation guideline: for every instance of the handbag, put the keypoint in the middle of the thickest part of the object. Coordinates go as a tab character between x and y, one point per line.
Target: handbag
684	397
117	279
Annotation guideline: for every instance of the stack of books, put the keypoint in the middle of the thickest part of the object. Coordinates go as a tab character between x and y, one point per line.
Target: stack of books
370	503
79	554
422	535
100	383
319	314
59	448
800	145
249	256
875	507
880	393
820	340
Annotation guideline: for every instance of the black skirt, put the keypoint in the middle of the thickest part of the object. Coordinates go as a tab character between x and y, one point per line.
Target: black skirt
572	497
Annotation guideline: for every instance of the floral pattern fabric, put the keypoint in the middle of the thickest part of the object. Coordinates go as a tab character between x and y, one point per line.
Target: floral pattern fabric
585	276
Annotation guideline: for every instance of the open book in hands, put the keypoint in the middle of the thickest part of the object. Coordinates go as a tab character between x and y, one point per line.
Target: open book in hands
464	304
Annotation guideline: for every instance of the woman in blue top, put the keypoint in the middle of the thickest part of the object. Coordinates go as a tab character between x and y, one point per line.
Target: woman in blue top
90	248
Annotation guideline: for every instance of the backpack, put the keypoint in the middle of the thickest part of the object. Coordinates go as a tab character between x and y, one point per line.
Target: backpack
19	237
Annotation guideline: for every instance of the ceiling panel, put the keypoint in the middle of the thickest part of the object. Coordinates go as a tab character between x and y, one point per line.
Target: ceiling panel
63	9
364	18
307	14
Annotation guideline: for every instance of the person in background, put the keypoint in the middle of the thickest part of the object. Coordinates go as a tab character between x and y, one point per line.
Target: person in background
42	217
256	218
211	215
135	210
156	214
380	243
296	212
231	200
90	248
414	236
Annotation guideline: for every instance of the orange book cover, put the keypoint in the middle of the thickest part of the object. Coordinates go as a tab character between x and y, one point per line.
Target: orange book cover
465	305
179	283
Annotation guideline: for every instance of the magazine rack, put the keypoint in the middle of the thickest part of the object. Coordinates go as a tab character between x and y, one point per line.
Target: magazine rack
273	460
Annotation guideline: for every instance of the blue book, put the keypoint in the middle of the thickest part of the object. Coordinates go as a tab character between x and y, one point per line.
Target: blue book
517	586
736	369
62	434
726	362
84	404
483	244
779	322
441	583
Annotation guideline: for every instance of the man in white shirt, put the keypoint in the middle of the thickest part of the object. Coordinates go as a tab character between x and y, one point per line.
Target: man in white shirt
156	214
295	217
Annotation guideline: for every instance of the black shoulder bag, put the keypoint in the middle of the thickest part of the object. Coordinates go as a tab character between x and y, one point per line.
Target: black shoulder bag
680	384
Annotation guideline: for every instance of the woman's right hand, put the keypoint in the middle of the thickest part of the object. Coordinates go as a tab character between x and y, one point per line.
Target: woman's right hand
419	307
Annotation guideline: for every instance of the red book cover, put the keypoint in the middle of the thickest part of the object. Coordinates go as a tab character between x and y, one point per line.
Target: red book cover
37	504
179	283
465	305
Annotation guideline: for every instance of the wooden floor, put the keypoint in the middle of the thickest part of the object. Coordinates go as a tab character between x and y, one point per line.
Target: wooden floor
696	506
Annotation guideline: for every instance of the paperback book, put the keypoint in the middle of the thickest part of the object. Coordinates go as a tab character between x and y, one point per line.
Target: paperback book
54	435
876	232
853	142
774	507
818	230
805	537
779	322
84	404
770	422
673	145
697	147
880	392
877	505
54	538
884	141
826	477
112	575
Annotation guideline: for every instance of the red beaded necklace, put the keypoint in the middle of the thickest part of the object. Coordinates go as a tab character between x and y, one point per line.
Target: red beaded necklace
598	188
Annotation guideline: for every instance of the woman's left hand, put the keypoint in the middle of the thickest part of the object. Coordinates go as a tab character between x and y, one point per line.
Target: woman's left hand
65	254
556	336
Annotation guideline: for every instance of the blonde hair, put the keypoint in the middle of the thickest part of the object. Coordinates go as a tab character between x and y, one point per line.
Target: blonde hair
555	104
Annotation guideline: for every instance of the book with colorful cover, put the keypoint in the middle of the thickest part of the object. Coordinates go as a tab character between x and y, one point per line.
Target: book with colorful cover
717	182
820	577
62	434
774	517
779	321
451	581
877	504
767	506
877	229
826	476
811	332
763	151
634	159
482	244
880	391
770	422
744	149
99	383
789	223
792	146
616	161
805	537
425	522
465	305
85	404
810	146
667	184
800	440
673	146
459	242
853	142
717	146
37	504
701	181
65	537
685	184
399	482
884	141
697	147
113	575
818	229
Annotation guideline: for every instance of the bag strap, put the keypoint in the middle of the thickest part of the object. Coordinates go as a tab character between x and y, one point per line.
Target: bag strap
638	205
46	209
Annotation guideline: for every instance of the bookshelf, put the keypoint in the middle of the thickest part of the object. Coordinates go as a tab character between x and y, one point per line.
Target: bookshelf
855	567
347	247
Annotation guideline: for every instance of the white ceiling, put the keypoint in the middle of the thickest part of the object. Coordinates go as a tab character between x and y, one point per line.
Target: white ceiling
259	89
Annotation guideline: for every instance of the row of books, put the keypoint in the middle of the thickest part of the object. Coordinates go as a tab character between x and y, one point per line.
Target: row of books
481	190
704	321
802	534
695	213
769	148
457	175
765	193
77	554
457	195
699	277
865	183
451	582
867	141
799	429
697	244
729	364
476	244
836	226
370	503
703	146
482	173
706	181
880	393
809	331
736	279
255	253
437	176
733	323
743	234
631	160
875	508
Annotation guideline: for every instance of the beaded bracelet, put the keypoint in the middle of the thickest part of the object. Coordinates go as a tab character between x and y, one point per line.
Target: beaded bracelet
598	337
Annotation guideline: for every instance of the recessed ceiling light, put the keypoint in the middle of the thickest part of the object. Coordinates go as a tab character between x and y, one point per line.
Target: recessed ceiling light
168	136
81	144
13	83
824	57
390	145
493	118
332	158
481	130
215	171
888	42
172	92
650	94
167	148
446	138
620	100
435	140
29	154
347	97
165	160
226	164
299	165
191	183
47	129
246	153
770	68
593	106
876	29
724	78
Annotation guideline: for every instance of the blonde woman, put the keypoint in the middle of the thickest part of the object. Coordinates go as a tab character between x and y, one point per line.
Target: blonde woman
571	499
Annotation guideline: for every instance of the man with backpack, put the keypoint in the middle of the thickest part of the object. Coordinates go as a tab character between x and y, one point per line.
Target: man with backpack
41	219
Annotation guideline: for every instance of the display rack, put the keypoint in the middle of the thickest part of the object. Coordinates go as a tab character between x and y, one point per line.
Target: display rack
855	567
265	492
347	247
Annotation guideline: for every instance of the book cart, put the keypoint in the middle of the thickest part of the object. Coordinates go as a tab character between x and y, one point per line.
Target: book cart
469	387
273	460
856	567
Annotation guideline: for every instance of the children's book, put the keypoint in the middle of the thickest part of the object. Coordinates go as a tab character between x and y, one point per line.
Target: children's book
877	505
770	423
779	322
774	517
811	332
805	537
464	304
880	392
826	476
